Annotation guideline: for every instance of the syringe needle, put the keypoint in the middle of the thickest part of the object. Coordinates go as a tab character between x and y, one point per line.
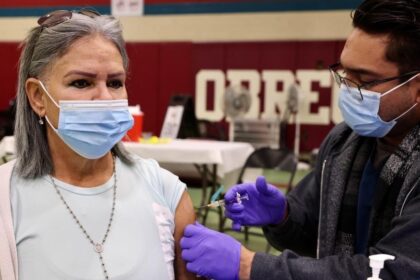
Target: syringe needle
214	204
222	202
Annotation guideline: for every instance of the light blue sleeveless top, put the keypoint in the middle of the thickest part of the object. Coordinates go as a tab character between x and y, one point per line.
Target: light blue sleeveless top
140	244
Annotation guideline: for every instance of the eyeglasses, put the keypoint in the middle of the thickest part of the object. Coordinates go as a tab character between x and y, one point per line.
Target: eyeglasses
56	17
339	79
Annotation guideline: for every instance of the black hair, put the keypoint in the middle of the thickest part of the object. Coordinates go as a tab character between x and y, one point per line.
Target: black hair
400	20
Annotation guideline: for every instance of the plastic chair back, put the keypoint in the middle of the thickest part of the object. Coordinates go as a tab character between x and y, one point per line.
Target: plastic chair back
267	158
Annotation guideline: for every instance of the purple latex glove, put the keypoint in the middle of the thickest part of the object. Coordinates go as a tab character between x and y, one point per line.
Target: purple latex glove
210	253
266	204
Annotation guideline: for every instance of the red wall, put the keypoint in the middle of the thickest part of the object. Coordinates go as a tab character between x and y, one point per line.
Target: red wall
159	70
9	56
47	3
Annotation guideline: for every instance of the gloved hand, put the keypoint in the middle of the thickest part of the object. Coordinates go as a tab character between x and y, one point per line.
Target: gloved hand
266	204
210	253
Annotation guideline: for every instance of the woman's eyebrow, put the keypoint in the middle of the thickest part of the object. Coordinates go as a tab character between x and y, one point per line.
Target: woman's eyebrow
114	75
93	75
81	73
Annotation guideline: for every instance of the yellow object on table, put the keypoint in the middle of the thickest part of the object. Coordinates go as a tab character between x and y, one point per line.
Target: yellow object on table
154	140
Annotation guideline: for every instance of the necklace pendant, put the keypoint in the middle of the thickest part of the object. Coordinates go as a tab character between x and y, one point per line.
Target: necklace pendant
98	248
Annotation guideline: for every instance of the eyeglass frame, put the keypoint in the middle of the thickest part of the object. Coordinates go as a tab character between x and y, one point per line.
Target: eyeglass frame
61	16
340	79
65	16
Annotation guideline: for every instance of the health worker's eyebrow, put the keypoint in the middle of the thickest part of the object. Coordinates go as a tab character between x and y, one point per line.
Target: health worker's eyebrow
361	71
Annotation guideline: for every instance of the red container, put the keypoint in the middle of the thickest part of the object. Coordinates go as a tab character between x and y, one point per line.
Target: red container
135	132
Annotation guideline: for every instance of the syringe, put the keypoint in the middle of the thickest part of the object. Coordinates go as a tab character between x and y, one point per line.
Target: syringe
221	202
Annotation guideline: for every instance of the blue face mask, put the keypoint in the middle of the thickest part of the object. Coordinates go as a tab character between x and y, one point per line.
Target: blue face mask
91	127
362	115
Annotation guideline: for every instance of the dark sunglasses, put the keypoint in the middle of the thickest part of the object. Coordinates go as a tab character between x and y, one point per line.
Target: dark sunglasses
60	16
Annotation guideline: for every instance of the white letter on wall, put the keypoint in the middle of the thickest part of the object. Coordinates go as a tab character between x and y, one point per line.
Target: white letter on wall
236	77
336	113
306	77
201	80
274	98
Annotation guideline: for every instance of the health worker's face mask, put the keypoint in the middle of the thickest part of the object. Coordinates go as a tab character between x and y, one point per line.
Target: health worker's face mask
91	127
362	115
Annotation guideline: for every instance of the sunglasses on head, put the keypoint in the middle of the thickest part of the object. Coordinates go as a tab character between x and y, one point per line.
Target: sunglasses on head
60	16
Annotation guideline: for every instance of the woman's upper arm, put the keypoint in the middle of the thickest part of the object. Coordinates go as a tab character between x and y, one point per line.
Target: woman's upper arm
184	215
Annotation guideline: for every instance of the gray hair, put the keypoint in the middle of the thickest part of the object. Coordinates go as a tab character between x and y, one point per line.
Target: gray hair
41	48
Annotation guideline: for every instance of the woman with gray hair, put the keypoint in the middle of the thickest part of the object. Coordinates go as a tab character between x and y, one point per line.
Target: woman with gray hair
75	204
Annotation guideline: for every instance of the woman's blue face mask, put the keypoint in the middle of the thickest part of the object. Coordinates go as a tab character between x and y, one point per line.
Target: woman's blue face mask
91	127
362	115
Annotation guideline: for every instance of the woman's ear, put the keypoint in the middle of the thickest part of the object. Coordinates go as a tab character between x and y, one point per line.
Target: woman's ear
418	93
417	88
35	96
